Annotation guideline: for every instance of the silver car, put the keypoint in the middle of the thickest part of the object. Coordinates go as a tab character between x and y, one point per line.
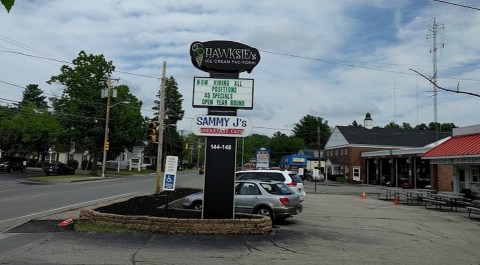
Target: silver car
291	178
269	198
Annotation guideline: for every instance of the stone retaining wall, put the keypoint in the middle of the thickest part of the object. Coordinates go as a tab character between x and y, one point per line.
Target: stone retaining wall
245	224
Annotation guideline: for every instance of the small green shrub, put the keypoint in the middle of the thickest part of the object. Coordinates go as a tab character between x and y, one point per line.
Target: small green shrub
72	163
341	179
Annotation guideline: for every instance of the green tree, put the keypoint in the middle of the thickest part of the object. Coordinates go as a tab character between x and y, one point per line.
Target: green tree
172	140
81	110
126	123
442	127
422	126
282	145
8	4
10	136
32	96
392	125
407	126
307	129
246	147
39	131
355	124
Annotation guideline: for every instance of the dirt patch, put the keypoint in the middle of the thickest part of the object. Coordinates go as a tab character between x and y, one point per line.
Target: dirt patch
152	205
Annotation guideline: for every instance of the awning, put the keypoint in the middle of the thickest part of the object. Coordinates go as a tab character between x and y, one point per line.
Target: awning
456	147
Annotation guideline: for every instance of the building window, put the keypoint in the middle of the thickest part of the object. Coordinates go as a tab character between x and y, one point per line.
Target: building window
346	151
341	152
336	152
475	178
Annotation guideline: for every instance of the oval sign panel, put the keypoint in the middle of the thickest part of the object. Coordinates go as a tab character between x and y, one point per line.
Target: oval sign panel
223	56
226	126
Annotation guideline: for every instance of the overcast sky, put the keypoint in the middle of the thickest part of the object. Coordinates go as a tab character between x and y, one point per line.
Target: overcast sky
336	59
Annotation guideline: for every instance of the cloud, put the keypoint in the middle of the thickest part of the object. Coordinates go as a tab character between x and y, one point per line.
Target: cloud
334	59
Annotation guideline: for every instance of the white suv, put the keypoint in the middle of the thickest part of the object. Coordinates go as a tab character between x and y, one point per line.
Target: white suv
291	178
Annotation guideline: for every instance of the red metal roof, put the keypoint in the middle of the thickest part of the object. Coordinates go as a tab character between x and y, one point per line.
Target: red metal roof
464	145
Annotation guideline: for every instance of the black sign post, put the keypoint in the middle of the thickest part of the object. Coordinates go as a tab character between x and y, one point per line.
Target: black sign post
221	59
218	198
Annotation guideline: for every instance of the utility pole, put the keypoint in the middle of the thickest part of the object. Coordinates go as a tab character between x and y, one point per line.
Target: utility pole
434	29
319	157
161	117
107	116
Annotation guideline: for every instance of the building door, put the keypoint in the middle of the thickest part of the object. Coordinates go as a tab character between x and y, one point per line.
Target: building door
356	173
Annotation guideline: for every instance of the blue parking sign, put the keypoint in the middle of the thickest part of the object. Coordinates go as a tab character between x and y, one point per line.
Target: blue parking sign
169	182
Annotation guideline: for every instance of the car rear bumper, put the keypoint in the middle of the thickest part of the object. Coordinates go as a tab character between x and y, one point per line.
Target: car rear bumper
288	211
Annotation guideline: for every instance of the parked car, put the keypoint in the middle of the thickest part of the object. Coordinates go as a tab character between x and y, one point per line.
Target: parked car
201	170
269	198
291	178
13	164
58	168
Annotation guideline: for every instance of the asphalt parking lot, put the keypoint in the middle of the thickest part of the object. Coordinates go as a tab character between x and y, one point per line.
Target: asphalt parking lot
336	227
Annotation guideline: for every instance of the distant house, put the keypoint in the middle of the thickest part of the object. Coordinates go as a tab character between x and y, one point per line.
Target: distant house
122	161
350	152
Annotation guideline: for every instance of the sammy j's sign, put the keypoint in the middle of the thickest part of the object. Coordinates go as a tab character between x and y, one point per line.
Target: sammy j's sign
226	126
223	56
220	92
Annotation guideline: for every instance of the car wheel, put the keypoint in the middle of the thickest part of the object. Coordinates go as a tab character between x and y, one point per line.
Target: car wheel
265	212
197	205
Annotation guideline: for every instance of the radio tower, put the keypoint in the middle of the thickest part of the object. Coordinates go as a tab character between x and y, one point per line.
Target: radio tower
434	32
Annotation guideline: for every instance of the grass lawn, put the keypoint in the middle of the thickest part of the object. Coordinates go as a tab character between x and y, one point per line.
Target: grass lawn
85	175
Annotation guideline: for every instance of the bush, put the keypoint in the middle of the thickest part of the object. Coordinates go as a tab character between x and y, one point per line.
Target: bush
72	163
341	179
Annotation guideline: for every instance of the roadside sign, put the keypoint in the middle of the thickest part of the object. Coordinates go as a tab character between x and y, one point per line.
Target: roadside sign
220	92
170	175
169	182
225	126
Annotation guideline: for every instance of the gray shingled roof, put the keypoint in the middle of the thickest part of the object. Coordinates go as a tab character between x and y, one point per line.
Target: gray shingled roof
390	137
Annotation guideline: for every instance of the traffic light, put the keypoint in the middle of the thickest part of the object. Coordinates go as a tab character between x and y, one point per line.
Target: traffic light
107	145
152	132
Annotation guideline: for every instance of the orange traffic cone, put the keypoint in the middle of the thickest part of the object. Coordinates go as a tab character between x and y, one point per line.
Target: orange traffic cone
66	222
364	196
396	201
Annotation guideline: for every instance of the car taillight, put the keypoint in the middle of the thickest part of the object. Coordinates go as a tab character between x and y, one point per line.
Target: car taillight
292	184
284	201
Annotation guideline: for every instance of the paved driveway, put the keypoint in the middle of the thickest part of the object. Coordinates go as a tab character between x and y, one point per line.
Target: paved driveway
333	229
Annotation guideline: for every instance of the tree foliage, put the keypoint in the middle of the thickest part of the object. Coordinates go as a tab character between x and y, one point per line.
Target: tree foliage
81	109
32	96
307	129
172	140
39	131
8	4
282	145
246	147
29	128
432	126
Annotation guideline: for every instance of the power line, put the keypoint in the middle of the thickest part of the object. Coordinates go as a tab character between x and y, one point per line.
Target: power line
455	4
346	63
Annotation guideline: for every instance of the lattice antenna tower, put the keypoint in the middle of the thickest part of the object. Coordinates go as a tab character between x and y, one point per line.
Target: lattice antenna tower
434	29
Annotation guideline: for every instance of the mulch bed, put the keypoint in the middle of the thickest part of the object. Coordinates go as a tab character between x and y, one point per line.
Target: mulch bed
151	205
